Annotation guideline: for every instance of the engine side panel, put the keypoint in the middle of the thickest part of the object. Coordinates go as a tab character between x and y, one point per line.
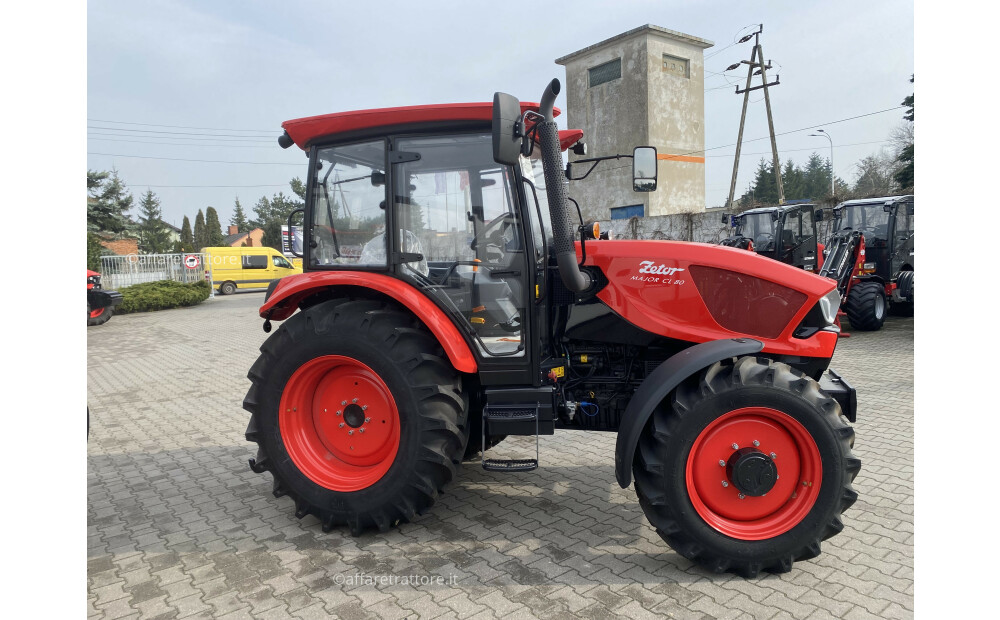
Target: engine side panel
698	292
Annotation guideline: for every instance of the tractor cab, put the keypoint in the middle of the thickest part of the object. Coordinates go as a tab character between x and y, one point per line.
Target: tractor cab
785	233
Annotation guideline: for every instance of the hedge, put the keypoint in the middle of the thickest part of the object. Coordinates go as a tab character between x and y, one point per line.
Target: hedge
161	295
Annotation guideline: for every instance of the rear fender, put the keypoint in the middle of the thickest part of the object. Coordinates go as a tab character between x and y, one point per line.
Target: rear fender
283	298
660	383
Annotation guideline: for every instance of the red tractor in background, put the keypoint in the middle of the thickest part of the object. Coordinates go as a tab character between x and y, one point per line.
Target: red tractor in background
786	233
871	256
101	303
451	298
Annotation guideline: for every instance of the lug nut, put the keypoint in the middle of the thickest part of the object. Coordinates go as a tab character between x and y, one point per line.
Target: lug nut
773	455
741	496
736	447
350	432
338	412
722	463
361	430
725	484
354	400
368	419
756	443
343	402
364	407
341	425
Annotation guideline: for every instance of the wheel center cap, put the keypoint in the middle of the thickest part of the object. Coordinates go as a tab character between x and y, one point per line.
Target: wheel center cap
354	415
751	471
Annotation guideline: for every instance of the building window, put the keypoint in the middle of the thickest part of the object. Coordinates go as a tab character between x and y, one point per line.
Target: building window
678	66
606	72
624	213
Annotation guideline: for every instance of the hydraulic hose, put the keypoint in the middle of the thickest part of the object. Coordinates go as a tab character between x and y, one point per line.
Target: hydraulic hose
562	223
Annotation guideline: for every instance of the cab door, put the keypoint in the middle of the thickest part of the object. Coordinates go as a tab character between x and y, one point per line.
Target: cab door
459	236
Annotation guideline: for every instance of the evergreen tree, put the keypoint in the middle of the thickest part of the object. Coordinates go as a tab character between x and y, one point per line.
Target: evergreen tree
200	238
108	203
153	235
213	229
239	219
186	243
904	177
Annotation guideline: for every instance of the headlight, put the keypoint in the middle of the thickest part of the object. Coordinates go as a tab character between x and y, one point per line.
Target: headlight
869	266
829	304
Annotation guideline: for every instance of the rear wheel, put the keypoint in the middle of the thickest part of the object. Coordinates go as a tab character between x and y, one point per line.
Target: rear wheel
357	414
746	469
865	306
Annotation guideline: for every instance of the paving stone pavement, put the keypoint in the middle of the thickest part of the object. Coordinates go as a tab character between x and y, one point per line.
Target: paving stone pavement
179	527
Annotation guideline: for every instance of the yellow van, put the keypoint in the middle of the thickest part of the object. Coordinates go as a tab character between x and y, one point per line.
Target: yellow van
246	268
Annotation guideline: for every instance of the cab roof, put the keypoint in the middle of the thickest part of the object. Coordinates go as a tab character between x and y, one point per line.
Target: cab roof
881	200
786	207
303	131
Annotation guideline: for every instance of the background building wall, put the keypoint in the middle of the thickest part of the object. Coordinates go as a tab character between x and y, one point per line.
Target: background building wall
647	105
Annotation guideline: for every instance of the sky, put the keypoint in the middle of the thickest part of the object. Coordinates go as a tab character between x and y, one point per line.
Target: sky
175	87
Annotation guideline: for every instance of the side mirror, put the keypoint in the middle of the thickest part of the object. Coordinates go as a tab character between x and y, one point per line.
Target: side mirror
644	169
294	238
818	215
507	130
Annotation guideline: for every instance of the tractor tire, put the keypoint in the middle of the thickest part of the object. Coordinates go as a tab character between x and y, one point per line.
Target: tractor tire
904	280
866	306
766	517
227	288
329	374
99	316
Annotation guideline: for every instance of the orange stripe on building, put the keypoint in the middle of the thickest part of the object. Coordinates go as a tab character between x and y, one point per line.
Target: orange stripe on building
688	158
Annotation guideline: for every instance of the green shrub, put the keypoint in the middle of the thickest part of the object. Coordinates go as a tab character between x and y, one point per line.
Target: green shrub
161	295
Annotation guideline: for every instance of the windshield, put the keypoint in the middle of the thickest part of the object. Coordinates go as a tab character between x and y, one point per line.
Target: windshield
758	226
870	218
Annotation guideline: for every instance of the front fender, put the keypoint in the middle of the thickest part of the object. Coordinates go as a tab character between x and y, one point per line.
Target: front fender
282	300
660	383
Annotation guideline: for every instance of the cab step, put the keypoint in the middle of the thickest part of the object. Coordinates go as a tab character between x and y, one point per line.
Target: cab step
510	465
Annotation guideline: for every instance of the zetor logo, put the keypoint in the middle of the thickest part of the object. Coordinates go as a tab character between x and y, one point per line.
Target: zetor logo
647	266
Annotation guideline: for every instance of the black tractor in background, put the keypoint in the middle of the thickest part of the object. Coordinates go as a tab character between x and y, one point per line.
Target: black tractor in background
870	255
786	233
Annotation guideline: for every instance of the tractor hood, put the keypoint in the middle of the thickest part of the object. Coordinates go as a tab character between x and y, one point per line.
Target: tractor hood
699	292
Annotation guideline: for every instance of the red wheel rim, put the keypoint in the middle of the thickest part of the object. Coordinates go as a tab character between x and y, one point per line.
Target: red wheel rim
339	423
96	313
799	467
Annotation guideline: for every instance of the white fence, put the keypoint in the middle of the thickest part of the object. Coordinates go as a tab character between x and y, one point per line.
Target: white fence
121	271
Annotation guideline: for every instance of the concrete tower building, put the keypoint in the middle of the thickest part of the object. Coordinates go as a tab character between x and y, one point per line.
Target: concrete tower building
642	87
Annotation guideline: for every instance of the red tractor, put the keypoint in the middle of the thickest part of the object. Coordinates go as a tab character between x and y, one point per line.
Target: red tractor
870	256
451	298
786	233
101	303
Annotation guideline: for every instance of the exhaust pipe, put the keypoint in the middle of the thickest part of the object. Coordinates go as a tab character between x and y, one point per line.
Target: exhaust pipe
563	230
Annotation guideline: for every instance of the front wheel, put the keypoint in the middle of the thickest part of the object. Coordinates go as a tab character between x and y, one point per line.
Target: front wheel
865	306
357	414
747	468
227	288
100	316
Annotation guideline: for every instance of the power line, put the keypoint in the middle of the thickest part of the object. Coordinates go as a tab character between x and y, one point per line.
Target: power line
207	137
187	144
180	133
204	161
837	146
98	120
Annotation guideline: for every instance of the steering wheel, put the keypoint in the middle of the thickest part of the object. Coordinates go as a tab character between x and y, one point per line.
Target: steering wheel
494	236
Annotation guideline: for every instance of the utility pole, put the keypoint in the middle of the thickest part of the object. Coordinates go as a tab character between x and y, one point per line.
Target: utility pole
756	62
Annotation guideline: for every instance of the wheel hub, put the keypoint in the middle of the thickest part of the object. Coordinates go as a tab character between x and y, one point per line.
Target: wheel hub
354	415
751	471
